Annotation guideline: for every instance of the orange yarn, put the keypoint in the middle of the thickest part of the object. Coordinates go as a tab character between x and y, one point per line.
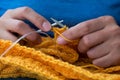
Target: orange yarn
58	31
40	62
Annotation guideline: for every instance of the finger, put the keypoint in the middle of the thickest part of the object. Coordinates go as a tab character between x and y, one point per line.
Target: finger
103	62
93	39
7	36
80	30
22	28
85	28
104	48
31	15
115	53
111	59
99	51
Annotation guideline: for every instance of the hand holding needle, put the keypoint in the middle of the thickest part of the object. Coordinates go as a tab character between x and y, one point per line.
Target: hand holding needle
22	37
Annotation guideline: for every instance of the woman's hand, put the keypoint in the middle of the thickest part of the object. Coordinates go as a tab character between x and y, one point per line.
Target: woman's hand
12	21
99	38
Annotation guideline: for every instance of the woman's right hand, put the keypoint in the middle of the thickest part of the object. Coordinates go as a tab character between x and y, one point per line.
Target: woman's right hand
12	22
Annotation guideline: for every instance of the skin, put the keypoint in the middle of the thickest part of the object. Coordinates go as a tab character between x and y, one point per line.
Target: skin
99	39
12	22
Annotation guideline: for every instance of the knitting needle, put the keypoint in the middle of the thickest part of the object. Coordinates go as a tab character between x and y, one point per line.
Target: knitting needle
54	24
57	22
61	25
22	37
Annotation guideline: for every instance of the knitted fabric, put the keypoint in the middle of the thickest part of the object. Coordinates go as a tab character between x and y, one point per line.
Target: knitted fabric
50	61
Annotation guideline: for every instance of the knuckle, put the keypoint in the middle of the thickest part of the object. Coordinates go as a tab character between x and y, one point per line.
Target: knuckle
9	11
39	18
87	26
8	14
86	41
90	54
79	49
115	57
18	25
107	18
115	31
25	9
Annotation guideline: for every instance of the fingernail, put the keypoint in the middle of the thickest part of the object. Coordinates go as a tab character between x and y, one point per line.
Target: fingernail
60	40
46	25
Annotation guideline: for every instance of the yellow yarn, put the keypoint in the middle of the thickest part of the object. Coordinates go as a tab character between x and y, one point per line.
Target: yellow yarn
50	61
58	32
